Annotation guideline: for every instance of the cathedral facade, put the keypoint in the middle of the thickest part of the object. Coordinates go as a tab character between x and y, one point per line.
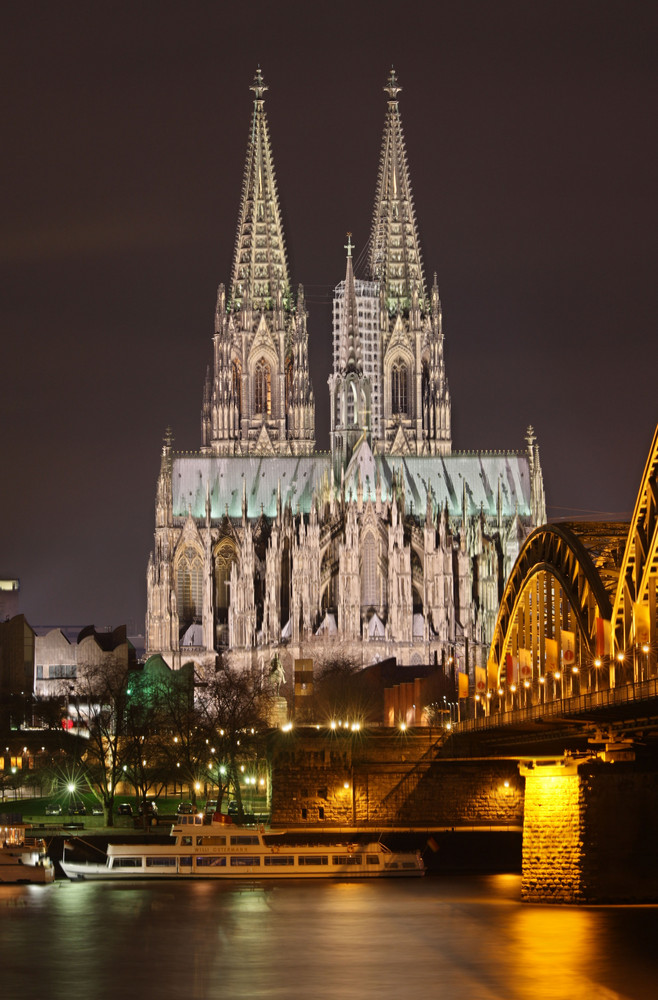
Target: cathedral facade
391	544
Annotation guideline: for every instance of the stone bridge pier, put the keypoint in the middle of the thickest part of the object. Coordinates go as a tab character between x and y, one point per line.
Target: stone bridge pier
590	830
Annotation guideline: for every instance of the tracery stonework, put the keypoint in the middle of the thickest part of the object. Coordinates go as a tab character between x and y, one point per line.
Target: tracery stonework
392	544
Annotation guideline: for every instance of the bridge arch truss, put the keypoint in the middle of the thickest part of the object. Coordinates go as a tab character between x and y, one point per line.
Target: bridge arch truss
544	643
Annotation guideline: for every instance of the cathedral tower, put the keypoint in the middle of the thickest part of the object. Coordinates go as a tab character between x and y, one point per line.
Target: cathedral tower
258	399
415	395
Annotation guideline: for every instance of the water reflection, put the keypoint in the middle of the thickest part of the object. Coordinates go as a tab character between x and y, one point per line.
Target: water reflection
466	938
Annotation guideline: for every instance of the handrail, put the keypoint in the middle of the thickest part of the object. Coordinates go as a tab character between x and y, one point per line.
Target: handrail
592	700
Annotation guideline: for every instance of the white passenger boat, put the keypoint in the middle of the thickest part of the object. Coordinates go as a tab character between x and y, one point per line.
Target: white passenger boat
23	858
228	851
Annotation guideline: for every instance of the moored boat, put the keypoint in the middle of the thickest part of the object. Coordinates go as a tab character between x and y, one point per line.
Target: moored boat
23	858
229	851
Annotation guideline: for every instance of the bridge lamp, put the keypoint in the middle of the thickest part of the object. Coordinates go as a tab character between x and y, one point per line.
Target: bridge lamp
332	724
557	675
541	680
477	697
574	670
620	657
597	662
526	684
645	648
403	726
500	690
512	688
488	694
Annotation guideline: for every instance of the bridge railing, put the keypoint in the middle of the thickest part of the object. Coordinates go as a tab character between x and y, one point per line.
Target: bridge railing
579	705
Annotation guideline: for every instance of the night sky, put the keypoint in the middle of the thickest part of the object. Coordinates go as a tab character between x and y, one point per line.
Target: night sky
531	137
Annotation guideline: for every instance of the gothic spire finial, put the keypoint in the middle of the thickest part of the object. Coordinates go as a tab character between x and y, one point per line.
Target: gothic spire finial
258	86
392	87
349	246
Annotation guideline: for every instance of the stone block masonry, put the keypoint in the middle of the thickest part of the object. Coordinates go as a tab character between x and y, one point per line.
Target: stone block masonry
590	832
387	779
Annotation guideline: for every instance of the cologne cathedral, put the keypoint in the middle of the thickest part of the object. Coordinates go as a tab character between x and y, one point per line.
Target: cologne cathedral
389	545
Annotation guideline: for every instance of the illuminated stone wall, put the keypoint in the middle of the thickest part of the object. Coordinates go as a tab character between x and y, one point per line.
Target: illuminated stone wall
387	778
590	833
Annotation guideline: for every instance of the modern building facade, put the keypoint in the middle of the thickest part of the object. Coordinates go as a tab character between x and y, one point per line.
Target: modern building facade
392	543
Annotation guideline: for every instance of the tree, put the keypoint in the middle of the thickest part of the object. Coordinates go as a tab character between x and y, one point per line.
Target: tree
235	707
101	697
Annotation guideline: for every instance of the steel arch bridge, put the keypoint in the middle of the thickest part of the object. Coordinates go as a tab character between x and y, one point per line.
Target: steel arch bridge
579	608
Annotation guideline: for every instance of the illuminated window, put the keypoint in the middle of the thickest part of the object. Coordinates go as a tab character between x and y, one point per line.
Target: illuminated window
399	387
224	559
262	388
189	588
369	593
237	385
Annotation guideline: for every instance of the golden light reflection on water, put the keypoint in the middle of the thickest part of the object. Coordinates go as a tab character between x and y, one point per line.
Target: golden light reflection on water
551	949
452	938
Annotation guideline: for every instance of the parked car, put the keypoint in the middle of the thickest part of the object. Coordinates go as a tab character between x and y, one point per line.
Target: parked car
185	809
53	809
149	807
211	807
77	809
232	808
97	809
125	809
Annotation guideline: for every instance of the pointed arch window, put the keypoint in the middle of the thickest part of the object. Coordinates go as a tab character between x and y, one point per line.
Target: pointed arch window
189	586
399	381
237	384
289	371
369	589
224	559
262	388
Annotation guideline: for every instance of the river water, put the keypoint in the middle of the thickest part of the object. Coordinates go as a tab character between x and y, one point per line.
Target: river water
458	938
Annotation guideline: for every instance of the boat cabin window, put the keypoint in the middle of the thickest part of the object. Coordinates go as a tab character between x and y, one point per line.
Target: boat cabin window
372	859
274	860
346	859
208	841
186	841
244	861
211	862
245	839
161	862
313	859
185	862
127	862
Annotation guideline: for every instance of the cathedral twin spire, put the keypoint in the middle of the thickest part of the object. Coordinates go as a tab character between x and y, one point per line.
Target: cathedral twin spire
260	266
395	256
259	399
